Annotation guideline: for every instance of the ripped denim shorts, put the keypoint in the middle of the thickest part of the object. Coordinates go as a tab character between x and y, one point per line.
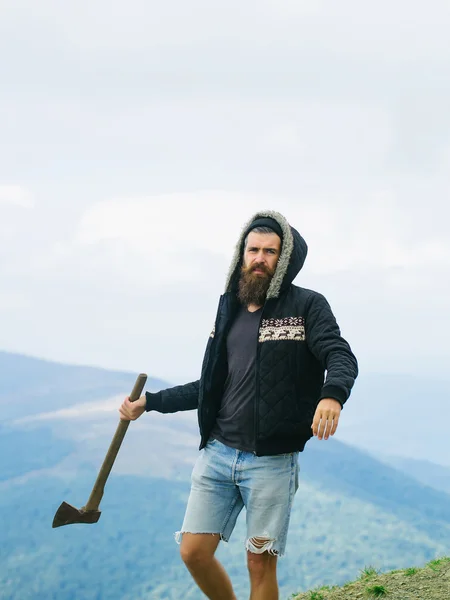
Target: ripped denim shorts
224	480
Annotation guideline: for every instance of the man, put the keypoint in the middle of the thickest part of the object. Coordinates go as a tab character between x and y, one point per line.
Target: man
261	396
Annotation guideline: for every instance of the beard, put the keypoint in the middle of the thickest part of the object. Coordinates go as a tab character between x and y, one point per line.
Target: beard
253	287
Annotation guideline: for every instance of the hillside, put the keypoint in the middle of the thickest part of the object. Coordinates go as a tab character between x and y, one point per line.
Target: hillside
351	510
29	385
332	537
395	414
426	472
432	582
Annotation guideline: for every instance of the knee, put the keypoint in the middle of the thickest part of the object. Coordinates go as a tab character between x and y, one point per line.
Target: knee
261	562
194	557
261	566
256	565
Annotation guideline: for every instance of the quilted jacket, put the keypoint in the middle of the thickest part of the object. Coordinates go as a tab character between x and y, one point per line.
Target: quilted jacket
299	342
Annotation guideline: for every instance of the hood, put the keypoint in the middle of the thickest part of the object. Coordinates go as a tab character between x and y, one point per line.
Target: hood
292	257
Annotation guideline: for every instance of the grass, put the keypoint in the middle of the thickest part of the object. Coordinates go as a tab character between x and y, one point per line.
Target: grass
316	596
376	591
431	582
368	572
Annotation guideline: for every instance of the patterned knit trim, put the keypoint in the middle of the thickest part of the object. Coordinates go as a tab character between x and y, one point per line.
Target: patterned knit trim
283	261
290	328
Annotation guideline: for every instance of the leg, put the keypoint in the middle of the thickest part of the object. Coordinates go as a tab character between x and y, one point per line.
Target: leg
197	552
213	507
262	569
268	485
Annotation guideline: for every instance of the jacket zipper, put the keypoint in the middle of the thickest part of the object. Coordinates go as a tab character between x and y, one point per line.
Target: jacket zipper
208	355
256	411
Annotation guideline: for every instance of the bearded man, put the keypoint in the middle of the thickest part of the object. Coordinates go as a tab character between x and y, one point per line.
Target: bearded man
261	396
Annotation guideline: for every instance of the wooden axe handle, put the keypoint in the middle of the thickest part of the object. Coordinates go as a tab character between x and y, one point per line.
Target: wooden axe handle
97	491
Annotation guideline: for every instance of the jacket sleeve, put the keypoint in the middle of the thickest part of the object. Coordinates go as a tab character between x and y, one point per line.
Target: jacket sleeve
324	339
180	397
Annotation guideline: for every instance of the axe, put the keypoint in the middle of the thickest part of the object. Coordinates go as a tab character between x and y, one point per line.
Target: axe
67	514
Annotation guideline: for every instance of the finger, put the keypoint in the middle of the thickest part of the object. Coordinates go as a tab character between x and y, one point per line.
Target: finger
325	426
335	424
316	423
316	426
332	424
124	413
321	427
328	427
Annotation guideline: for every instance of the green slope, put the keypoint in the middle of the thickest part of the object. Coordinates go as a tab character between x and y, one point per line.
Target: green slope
432	582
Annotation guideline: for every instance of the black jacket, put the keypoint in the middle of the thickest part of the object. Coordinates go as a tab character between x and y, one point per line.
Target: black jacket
299	340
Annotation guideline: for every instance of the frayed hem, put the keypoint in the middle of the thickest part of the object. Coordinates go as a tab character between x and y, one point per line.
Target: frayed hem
260	545
178	534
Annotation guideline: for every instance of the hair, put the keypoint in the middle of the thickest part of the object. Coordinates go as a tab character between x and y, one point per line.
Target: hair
258	230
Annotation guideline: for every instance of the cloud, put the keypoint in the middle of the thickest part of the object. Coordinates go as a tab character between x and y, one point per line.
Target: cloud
150	141
83	411
169	230
94	411
204	220
16	195
14	300
137	26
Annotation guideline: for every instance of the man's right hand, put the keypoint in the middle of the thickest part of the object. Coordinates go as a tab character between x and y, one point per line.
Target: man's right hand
130	411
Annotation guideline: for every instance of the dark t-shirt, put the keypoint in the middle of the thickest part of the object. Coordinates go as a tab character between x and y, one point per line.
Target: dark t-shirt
235	419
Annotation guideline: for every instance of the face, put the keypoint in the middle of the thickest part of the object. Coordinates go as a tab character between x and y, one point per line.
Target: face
259	264
262	253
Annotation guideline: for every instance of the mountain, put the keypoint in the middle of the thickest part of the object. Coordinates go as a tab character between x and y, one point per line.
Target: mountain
424	471
29	385
350	512
399	415
351	509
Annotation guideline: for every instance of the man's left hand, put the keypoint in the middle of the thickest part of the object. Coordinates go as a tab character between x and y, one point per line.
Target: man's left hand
326	418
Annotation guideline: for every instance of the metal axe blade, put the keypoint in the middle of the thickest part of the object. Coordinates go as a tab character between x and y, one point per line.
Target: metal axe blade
68	515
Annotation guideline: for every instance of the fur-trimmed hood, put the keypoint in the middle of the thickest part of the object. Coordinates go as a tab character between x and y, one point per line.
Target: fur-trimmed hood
292	257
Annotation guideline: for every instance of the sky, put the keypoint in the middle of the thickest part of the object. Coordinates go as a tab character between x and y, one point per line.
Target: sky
137	138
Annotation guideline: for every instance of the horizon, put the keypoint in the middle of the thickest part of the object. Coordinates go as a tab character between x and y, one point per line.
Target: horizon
177	381
376	432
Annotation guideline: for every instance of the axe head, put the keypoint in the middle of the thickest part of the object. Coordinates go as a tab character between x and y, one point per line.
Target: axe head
68	514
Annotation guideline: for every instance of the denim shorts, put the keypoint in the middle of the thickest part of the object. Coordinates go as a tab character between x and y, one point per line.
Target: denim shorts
224	480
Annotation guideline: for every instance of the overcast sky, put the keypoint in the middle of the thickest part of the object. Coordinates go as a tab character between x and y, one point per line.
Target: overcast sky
136	138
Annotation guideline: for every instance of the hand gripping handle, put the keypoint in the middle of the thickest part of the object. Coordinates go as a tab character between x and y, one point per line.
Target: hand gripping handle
97	491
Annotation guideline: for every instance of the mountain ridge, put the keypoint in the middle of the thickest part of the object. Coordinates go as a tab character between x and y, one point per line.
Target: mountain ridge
351	509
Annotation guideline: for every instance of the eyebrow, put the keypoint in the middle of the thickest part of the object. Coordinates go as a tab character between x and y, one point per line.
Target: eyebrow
264	248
